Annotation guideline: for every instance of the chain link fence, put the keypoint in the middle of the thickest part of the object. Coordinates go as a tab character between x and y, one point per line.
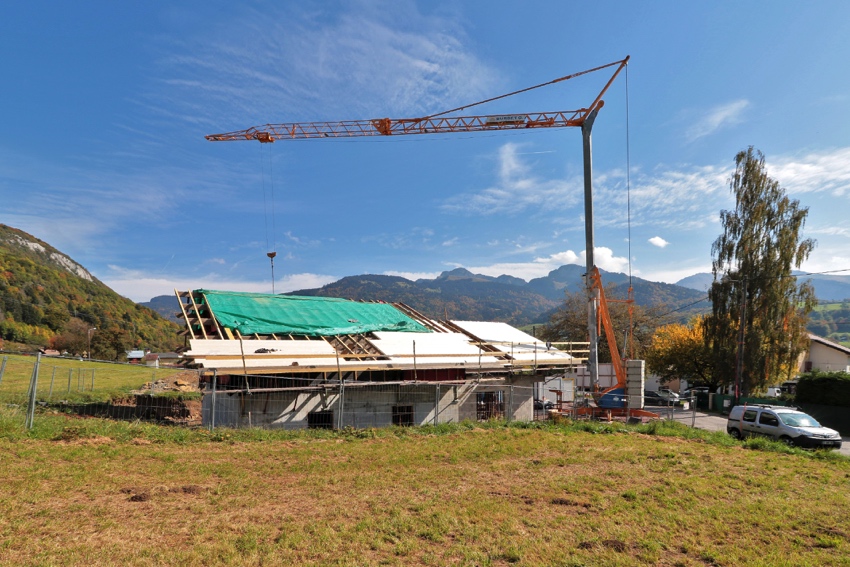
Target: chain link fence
32	384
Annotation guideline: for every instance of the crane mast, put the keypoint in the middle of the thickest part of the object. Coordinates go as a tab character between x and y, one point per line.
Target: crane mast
440	124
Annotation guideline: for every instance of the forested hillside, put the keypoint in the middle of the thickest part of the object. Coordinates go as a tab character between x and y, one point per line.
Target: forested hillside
47	299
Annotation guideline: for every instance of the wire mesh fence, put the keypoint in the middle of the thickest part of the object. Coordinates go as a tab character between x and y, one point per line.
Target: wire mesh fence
113	390
30	385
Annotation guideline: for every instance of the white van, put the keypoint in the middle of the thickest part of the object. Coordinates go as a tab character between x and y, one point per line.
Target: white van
781	423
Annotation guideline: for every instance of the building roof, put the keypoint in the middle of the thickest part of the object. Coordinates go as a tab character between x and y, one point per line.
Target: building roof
830	344
258	333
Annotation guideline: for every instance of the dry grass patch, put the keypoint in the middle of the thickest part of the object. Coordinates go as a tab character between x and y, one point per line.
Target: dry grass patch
483	496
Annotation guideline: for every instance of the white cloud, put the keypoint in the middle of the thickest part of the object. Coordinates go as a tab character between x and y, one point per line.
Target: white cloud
541	266
658	241
140	286
413	276
674	275
716	118
516	189
816	172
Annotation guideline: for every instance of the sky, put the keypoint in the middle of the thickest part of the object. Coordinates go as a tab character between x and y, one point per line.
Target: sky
104	107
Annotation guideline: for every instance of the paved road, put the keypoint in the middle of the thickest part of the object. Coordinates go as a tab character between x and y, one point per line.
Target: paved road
715	422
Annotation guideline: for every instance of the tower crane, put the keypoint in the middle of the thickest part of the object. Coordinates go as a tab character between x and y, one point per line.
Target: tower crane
442	123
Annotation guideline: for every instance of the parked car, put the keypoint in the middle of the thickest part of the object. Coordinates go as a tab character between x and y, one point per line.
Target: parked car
651	398
781	423
543	404
668	395
693	392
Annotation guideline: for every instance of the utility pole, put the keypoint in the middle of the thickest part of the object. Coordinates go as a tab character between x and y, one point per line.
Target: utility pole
742	322
592	294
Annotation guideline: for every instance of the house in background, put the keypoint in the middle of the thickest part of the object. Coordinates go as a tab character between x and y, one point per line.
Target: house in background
295	362
825	356
135	356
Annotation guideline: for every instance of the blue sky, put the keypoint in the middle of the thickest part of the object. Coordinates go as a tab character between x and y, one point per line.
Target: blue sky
105	105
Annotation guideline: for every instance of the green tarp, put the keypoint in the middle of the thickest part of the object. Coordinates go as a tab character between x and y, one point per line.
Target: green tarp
265	314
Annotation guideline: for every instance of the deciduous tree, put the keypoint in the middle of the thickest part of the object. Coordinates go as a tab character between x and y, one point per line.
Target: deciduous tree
679	351
569	323
752	265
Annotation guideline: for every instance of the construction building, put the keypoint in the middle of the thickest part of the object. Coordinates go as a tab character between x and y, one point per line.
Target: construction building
294	362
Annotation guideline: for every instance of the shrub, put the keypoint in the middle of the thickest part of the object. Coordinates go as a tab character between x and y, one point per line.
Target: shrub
824	388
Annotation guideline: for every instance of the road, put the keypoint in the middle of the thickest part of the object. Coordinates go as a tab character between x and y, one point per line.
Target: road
716	422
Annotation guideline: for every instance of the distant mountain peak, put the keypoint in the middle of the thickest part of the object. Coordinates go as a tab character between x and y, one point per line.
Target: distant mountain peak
456	273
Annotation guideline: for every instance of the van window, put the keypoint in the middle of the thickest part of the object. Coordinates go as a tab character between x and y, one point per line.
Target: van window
768	419
750	416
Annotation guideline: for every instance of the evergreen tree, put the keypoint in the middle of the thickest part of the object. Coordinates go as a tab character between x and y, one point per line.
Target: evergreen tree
752	263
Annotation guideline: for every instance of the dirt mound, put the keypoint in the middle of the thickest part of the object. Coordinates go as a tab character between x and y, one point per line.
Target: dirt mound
181	382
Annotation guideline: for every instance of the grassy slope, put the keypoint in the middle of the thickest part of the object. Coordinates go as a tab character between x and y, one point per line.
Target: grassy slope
110	380
104	493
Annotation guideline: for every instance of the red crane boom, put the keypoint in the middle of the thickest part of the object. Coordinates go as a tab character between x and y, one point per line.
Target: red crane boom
433	124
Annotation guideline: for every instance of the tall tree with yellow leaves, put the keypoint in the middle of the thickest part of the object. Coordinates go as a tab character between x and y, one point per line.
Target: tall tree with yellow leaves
679	351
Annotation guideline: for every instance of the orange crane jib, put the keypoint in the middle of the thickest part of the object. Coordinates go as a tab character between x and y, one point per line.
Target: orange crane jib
391	126
434	124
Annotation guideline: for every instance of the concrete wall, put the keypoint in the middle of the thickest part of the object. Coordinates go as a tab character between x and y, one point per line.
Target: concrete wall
369	406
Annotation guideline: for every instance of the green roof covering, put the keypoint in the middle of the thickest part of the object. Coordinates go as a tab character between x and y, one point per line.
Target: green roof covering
265	314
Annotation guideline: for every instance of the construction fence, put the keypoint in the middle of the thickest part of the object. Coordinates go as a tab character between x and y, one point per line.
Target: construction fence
30	386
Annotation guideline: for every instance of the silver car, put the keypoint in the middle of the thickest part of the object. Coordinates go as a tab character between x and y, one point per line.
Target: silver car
781	423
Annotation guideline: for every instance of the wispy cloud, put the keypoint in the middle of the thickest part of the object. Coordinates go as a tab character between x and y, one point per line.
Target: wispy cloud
658	241
415	237
516	189
815	172
359	61
716	118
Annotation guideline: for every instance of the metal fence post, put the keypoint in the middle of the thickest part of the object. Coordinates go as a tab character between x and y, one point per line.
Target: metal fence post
341	401
436	404
510	403
92	379
3	367
33	386
212	405
52	378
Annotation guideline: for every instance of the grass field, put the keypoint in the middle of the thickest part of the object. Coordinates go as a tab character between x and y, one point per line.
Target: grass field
93	492
74	380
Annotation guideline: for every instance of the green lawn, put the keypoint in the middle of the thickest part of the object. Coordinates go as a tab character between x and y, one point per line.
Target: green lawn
72	379
94	492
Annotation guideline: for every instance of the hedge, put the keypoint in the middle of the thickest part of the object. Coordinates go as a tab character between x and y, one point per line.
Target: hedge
824	388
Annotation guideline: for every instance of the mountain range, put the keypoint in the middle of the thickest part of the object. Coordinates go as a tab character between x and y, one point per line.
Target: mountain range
462	295
828	288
